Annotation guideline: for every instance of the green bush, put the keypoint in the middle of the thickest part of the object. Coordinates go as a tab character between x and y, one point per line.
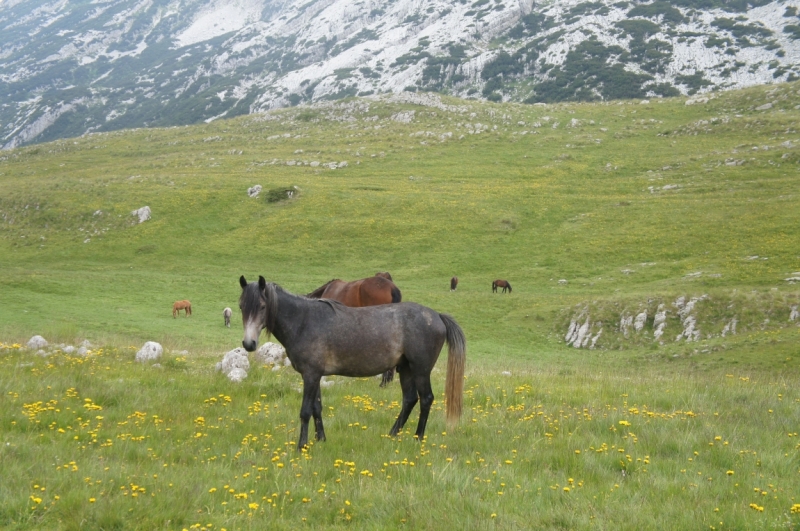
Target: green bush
275	195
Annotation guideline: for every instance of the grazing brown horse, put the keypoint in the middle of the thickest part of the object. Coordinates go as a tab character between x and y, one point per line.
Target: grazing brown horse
181	305
453	283
370	291
501	284
325	337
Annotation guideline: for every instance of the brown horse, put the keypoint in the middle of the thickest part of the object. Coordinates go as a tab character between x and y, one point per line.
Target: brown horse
181	305
501	284
453	283
370	291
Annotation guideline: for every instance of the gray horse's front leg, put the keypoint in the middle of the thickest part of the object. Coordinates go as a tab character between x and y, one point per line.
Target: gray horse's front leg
309	408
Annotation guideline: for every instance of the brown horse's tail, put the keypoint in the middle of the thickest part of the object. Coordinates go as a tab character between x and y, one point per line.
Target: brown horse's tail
456	360
396	295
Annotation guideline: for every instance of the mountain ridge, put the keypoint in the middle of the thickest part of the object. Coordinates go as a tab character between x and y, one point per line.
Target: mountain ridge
68	68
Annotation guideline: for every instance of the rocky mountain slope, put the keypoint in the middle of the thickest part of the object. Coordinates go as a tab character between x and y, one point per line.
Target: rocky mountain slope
67	68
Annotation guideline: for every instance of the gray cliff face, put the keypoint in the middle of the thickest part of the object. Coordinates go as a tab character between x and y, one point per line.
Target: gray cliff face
68	68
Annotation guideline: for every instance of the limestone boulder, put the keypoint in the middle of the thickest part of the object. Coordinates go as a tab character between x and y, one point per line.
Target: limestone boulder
151	351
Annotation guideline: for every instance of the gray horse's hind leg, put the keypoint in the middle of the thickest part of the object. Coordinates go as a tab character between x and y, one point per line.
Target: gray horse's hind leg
312	406
409	397
320	430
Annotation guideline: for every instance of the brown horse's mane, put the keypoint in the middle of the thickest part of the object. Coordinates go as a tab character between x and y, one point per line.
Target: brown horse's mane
317	293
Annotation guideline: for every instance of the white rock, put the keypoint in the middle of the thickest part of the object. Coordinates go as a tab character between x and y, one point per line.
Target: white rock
659	322
582	336
271	354
37	342
764	107
563	281
86	343
253	191
69	349
404	117
625	322
82	351
573	328
639	322
326	383
143	213
794	315
237	374
506	373
150	351
595	338
343	164
234	359
730	328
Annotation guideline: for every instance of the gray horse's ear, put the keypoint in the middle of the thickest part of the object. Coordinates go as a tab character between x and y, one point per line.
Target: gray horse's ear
242	282
262	283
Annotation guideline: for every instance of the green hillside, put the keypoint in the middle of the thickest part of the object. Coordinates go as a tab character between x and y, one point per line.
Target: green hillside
626	202
663	233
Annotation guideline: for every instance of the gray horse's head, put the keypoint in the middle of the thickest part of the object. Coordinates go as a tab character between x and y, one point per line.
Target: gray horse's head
259	306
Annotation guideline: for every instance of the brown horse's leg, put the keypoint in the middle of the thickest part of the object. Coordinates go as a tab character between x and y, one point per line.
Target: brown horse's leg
409	398
173	312
423	383
310	394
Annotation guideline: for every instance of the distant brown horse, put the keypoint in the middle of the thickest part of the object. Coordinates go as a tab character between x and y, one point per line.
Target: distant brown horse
370	291
453	283
501	284
181	305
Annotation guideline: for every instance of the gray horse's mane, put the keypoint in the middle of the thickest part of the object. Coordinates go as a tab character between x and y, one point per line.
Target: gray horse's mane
251	298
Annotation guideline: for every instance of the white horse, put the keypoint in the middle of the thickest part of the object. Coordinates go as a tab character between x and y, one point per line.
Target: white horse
226	313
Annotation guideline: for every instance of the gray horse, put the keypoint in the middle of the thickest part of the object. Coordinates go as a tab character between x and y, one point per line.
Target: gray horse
324	337
226	313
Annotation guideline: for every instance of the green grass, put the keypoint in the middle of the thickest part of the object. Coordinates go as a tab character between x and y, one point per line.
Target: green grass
581	203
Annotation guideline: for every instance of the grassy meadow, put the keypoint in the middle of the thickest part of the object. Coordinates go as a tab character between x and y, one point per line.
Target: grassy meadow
592	209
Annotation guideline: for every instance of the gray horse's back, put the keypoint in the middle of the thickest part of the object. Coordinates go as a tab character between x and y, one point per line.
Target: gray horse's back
370	340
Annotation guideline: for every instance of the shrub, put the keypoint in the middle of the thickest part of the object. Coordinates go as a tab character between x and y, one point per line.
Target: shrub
275	195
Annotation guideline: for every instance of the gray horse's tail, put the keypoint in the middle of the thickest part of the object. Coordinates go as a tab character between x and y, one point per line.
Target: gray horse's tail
456	361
